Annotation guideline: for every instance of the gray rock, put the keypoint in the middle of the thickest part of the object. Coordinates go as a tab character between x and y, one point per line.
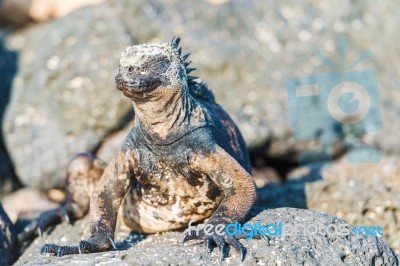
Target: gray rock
7	239
64	99
363	194
165	248
113	143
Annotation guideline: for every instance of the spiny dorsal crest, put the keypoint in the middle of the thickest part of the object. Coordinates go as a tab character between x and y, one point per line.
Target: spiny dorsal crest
174	43
197	89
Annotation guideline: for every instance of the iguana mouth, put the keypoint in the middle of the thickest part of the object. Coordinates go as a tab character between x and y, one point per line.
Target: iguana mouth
135	87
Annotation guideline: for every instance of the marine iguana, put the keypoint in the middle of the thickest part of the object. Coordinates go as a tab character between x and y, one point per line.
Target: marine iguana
184	160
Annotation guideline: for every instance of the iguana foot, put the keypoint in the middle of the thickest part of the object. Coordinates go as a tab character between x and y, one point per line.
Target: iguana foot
98	242
40	224
59	250
215	236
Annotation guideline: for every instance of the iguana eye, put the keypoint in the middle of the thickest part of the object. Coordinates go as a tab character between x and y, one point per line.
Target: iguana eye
131	69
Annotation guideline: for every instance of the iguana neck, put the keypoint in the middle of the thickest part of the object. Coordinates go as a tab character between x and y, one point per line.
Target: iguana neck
167	116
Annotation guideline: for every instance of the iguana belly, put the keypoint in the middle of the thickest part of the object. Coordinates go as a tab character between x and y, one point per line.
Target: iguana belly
168	201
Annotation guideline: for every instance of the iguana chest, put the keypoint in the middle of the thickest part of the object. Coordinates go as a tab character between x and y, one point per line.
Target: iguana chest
165	192
163	178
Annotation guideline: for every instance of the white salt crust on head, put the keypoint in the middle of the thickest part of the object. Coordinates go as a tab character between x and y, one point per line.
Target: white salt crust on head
138	54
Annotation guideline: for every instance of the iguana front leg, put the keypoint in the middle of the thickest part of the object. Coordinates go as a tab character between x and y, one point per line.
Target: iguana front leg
83	173
104	205
240	195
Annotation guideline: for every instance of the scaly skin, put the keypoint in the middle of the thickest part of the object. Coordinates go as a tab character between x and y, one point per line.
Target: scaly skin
184	160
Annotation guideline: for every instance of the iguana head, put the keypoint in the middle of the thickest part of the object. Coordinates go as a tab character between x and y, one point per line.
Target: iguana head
145	68
156	78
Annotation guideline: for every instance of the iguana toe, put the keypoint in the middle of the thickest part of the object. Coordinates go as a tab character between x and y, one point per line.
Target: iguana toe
221	241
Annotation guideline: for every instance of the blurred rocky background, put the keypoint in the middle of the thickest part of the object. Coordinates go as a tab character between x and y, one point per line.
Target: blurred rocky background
58	97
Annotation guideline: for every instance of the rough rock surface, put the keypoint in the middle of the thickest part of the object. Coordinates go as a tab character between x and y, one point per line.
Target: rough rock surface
113	143
63	99
7	239
135	249
365	194
361	194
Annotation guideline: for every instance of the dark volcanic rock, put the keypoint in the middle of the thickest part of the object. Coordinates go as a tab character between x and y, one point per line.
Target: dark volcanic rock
8	250
8	69
136	249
